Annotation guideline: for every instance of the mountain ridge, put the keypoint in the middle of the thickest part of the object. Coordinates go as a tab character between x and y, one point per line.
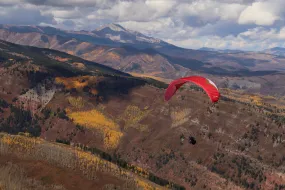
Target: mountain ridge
259	70
222	50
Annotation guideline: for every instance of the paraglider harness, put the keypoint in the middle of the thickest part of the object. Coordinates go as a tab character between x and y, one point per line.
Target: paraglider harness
192	140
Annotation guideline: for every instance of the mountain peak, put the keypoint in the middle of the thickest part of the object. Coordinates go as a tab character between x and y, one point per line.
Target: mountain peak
112	26
116	32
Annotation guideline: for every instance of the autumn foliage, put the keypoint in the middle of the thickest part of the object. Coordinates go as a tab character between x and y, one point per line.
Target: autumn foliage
96	120
65	156
180	116
76	102
132	117
76	82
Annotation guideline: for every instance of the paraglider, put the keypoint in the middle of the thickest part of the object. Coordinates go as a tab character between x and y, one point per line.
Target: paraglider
210	87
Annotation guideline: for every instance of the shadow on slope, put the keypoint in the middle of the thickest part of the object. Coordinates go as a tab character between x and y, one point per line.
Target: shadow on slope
114	83
118	87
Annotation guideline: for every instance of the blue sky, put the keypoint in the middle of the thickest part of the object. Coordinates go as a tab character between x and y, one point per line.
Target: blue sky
233	24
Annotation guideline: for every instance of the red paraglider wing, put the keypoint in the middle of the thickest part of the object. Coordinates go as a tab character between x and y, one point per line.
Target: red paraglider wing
210	88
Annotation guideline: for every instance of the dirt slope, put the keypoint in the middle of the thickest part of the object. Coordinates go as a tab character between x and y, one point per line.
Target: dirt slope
124	120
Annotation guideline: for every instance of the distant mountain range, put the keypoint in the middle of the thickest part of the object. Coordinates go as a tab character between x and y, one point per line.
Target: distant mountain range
133	52
111	35
221	50
275	51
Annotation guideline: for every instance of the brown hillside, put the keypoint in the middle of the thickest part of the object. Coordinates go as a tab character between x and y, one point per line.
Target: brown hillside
231	137
54	166
125	121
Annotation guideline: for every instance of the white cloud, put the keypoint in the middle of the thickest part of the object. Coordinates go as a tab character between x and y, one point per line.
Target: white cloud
282	33
25	15
230	11
64	14
161	7
257	38
209	10
70	3
9	2
262	13
187	23
135	10
149	27
260	33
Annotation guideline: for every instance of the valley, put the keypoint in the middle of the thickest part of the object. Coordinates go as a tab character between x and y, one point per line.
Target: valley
73	114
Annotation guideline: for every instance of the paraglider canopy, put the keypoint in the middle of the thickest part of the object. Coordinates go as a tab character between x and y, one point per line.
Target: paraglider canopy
210	88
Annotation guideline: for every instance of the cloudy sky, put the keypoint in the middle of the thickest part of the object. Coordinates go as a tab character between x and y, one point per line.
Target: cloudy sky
233	24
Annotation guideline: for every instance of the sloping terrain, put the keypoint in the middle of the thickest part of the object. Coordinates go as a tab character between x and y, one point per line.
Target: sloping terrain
125	122
132	52
31	80
54	166
121	56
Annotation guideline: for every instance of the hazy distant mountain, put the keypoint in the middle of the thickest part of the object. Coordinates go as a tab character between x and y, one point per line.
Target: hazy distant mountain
208	49
221	50
275	51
